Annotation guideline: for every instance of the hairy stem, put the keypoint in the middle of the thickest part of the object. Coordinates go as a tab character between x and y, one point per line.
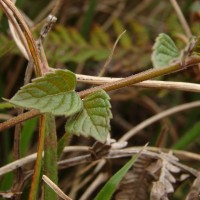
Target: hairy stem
148	74
50	156
38	165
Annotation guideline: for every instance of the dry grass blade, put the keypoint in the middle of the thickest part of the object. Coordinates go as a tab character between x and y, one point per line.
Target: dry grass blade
28	159
157	117
56	189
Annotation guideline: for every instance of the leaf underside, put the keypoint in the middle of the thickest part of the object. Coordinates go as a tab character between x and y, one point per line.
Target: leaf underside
164	51
53	93
94	119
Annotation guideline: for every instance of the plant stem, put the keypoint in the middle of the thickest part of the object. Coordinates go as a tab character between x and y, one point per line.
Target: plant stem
18	119
50	156
156	84
38	165
148	74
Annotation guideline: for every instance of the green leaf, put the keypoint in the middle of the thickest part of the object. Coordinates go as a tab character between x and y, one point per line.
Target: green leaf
109	188
164	51
94	119
54	93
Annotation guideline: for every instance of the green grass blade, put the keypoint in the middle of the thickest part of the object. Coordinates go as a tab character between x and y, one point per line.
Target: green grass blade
188	137
110	187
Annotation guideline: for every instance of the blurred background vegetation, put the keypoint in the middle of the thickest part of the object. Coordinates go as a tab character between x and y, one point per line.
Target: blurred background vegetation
81	41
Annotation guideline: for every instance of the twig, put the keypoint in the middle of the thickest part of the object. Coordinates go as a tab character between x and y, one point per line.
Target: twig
181	18
181	154
171	85
50	22
114	153
132	150
28	159
5	116
148	74
120	153
55	188
18	119
157	117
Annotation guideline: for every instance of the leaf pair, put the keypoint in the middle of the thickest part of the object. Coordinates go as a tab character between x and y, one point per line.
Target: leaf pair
55	93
